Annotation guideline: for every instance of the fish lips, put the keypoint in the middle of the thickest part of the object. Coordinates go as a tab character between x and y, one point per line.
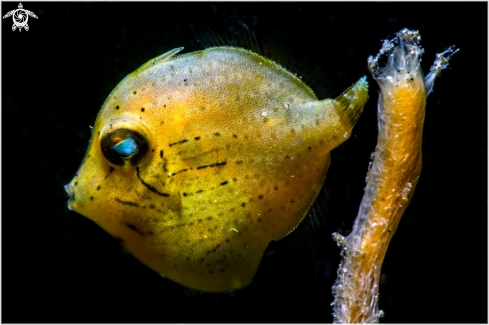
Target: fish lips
70	190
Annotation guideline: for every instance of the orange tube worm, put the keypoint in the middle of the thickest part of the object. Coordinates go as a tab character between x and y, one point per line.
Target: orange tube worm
392	178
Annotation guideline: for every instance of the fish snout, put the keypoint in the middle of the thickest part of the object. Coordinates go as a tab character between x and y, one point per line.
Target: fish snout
70	190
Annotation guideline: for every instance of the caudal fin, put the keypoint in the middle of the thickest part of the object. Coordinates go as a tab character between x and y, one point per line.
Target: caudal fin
352	101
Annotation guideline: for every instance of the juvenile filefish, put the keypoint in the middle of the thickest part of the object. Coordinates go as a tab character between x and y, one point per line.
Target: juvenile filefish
197	161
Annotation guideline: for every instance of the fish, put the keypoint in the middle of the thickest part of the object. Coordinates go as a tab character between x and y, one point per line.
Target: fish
198	161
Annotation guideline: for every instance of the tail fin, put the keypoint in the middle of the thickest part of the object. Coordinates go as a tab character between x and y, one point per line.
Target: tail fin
352	101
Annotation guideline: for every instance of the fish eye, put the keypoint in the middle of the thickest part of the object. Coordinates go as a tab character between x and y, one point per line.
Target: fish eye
124	142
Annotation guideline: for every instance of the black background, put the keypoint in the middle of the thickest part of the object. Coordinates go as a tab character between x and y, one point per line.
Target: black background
58	266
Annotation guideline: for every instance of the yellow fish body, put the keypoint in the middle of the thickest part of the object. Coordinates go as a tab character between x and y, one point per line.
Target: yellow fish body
197	161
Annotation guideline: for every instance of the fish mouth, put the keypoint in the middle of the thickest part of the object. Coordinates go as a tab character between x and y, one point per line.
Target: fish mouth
70	190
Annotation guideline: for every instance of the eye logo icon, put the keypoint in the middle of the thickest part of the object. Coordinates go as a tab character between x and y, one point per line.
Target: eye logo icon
20	17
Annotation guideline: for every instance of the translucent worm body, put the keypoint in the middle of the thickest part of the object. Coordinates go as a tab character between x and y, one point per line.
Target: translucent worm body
391	179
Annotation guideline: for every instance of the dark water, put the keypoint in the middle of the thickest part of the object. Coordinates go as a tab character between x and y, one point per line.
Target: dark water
58	266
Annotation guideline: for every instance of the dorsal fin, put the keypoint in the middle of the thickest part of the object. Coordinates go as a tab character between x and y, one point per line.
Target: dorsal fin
159	59
235	34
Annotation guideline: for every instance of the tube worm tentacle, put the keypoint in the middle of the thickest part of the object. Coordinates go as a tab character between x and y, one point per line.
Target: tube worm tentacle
392	177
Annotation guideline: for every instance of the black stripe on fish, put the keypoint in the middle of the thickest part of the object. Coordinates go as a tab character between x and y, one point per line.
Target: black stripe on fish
151	188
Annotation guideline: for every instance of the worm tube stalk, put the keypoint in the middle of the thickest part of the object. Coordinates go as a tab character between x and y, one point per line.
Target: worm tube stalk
391	179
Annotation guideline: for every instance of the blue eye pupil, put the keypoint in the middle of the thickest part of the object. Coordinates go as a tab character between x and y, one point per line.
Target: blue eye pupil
126	148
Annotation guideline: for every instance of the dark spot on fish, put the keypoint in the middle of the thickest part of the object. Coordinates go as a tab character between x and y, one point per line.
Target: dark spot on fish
292	201
117	107
197	138
234	179
259	219
243	204
119	240
142	109
199	191
91	198
150	233
76	183
239	162
151	206
209	218
224	183
275	188
99	187
161	153
178	142
131	226
309	148
213	250
212	165
235	136
185	194
110	171
217	134
164	105
260	196
134	92
185	80
180	171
